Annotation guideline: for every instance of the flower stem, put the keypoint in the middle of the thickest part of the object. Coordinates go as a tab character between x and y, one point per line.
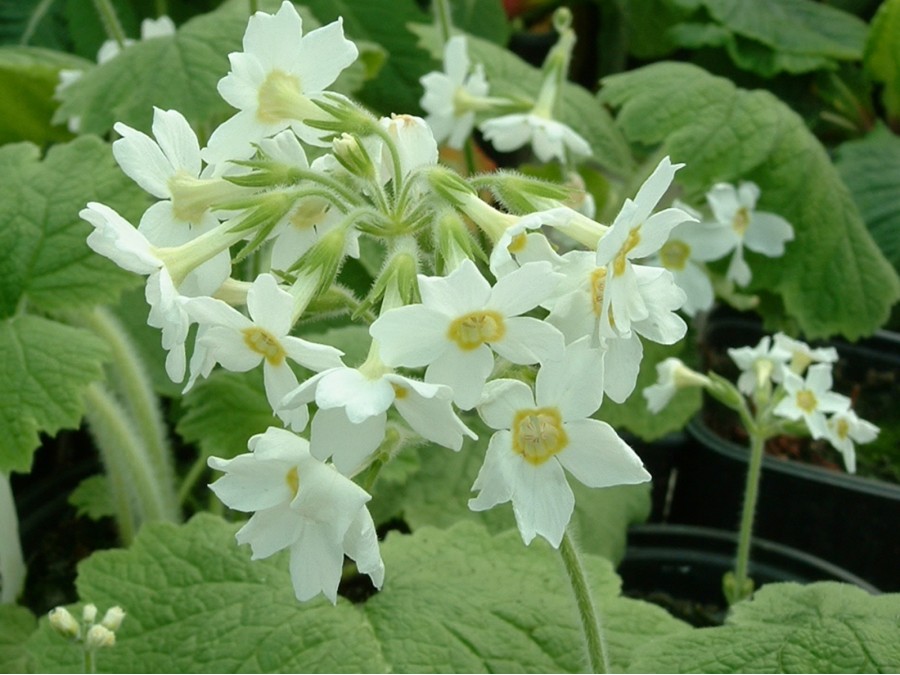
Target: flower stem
587	610
742	584
90	663
443	19
110	21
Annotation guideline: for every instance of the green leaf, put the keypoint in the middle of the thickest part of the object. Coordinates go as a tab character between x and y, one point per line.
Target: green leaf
512	77
438	495
788	628
481	18
224	411
45	367
44	259
647	24
871	169
33	74
633	413
882	55
92	498
460	600
196	603
832	278
16	625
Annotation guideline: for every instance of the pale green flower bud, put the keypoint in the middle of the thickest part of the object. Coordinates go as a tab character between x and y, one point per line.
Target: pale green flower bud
113	618
353	156
89	613
99	636
62	621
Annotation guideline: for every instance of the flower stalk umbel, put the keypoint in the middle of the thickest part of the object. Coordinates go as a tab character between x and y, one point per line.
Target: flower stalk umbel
784	388
89	633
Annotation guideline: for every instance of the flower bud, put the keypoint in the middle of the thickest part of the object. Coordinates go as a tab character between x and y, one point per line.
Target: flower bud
99	636
113	618
454	241
353	156
89	613
62	621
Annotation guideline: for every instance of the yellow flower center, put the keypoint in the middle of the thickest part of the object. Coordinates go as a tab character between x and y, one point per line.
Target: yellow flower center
674	255
281	98
263	342
806	400
399	392
309	213
634	238
598	288
474	329
293	481
517	245
741	221
538	434
842	428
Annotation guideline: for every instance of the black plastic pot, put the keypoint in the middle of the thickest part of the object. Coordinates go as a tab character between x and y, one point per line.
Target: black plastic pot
681	566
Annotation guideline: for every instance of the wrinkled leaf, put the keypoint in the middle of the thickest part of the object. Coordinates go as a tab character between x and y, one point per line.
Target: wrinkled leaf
16	625
882	56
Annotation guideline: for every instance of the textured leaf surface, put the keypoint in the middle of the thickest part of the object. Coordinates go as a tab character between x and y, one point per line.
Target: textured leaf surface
788	628
832	278
93	498
882	56
44	259
196	603
16	625
44	368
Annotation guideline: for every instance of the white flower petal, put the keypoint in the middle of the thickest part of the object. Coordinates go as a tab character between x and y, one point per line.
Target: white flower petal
502	399
249	484
177	140
542	500
349	445
573	383
597	457
465	372
270	531
411	336
317	560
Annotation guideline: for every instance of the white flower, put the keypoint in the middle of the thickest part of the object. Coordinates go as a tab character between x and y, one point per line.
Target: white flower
240	344
799	355
548	137
672	375
542	434
275	80
352	417
845	428
759	231
303	505
517	246
811	398
448	97
462	319
760	365
635	233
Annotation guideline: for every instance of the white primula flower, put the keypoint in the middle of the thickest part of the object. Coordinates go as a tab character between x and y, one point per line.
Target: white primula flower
303	505
450	96
352	417
759	365
275	81
672	375
519	244
543	434
811	398
462	319
240	344
798	355
759	231
846	428
634	234
548	137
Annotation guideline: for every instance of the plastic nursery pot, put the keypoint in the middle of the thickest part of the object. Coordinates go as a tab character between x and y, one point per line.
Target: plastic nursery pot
661	459
848	520
681	567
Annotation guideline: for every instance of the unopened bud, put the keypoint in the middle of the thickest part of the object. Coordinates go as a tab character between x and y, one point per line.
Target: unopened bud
62	621
113	618
89	613
99	636
353	156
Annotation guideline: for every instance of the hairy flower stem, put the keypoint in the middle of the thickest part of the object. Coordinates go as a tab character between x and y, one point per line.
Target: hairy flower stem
742	584
110	21
587	610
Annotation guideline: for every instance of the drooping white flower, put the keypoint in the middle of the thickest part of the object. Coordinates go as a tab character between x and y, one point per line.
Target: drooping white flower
352	417
798	355
760	365
759	231
810	398
672	375
549	138
543	434
450	96
462	321
846	428
301	504
275	80
635	234
240	343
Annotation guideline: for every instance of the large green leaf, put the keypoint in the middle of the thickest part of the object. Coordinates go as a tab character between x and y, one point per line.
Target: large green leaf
882	56
45	367
871	169
33	74
787	628
16	625
44	260
832	278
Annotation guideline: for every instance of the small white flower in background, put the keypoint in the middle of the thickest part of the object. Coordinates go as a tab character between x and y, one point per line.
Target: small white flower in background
798	355
275	80
352	417
449	95
846	428
240	344
548	137
634	234
761	232
760	365
543	434
301	504
672	375
414	141
809	399
462	321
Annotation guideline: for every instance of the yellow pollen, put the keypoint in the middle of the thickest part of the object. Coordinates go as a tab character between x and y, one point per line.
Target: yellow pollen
843	428
598	287
399	392
263	342
474	329
806	400
517	245
674	255
741	221
634	238
293	481
278	98
538	434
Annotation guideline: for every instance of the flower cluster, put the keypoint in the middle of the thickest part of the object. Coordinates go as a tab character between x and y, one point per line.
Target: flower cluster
532	341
